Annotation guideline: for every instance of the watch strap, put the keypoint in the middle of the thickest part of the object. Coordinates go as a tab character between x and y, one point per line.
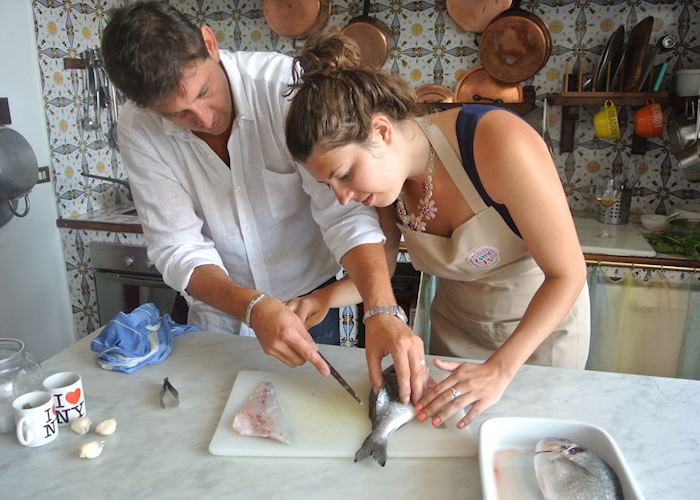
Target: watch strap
394	310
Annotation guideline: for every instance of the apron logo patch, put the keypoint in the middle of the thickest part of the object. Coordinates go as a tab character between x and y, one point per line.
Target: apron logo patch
484	257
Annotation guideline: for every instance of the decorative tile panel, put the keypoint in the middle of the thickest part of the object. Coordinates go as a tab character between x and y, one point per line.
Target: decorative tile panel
429	49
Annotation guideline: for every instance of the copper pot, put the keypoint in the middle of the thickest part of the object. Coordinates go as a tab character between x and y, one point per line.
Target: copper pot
475	15
477	85
296	18
372	36
433	92
515	46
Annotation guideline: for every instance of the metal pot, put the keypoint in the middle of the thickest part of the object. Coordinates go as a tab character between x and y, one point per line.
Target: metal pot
475	15
433	92
296	18
374	38
477	85
681	132
684	227
515	46
18	172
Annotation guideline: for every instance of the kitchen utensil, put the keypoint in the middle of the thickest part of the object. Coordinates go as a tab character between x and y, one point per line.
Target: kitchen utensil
515	45
507	449
605	122
341	380
478	85
654	222
649	120
18	173
689	157
296	18
475	15
686	82
326	423
121	182
635	53
663	44
165	390
658	76
684	227
610	60
433	92
374	38
68	394
36	419
19	373
681	132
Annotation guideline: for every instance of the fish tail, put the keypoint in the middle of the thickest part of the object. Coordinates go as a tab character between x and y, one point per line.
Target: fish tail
372	446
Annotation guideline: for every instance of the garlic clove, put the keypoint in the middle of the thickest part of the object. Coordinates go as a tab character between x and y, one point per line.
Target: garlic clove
81	425
106	427
93	449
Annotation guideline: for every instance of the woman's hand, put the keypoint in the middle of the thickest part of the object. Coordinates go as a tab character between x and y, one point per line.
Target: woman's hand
311	308
478	385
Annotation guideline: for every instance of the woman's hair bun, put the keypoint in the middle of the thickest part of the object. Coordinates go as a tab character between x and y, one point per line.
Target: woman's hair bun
328	54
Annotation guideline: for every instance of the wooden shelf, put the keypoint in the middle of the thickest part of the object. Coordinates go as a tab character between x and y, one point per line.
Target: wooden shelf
74	63
520	108
569	101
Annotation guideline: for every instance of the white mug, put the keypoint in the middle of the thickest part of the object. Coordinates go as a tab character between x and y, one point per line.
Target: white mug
35	415
67	390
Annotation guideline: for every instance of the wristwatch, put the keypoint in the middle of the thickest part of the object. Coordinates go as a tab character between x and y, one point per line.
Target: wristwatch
395	310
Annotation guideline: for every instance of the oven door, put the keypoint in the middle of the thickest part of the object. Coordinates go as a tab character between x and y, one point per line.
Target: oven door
123	292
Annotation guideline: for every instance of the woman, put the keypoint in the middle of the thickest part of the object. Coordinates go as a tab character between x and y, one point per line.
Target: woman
479	202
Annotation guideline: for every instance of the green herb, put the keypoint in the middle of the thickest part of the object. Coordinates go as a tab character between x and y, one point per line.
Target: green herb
672	243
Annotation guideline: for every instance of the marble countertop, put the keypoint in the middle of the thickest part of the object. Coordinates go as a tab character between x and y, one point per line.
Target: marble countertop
158	453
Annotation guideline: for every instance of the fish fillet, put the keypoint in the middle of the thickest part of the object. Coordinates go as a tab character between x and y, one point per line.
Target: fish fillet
263	415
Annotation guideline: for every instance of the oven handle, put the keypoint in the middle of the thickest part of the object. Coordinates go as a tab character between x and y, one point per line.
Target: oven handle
130	279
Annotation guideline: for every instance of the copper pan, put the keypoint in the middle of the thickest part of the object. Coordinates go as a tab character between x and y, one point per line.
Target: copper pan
296	18
373	37
432	92
475	15
515	46
477	85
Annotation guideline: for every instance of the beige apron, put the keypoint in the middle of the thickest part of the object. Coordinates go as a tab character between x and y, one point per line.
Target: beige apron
486	279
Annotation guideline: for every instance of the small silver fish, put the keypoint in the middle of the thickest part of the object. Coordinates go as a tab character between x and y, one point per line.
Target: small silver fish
387	414
567	471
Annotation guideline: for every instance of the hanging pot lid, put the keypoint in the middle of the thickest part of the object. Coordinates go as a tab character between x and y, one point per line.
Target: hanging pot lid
477	85
18	165
515	46
296	18
475	15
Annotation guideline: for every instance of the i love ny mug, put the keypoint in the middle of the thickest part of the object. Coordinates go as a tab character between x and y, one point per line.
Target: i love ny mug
67	390
35	416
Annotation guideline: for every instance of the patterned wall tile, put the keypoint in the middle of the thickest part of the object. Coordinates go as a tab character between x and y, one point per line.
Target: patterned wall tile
430	48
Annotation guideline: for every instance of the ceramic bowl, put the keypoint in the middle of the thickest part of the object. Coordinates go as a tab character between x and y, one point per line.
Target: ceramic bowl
654	223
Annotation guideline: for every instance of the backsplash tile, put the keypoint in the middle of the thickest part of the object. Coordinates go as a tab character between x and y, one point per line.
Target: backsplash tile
429	48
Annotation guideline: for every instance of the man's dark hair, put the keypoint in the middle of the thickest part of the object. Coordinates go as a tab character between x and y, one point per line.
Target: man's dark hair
146	47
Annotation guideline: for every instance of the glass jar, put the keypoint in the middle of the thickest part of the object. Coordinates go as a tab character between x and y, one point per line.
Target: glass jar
19	373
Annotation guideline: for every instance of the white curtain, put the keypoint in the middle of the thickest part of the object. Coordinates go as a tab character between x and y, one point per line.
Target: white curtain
644	323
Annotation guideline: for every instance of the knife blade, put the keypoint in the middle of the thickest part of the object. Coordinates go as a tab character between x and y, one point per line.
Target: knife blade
341	380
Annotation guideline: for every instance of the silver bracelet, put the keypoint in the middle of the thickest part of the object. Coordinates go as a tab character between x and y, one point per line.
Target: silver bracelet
249	310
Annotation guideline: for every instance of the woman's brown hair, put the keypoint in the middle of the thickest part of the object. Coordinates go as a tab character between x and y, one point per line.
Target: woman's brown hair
336	96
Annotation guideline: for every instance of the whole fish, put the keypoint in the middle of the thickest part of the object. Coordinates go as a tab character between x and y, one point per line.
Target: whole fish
567	471
387	414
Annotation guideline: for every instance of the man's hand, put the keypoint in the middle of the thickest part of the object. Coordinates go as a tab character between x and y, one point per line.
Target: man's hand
387	334
283	335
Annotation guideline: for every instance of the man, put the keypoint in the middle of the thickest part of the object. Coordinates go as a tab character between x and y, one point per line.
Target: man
226	213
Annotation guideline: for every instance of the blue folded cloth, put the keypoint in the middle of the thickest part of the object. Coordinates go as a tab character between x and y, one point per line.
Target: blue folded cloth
142	337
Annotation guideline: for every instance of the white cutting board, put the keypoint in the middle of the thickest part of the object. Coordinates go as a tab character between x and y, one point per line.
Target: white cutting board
327	422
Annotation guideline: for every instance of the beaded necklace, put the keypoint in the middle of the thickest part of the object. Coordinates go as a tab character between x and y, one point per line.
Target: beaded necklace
426	206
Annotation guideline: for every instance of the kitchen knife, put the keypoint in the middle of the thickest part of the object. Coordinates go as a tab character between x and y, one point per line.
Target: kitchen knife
341	380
